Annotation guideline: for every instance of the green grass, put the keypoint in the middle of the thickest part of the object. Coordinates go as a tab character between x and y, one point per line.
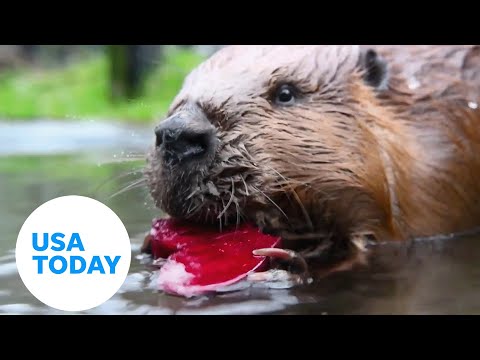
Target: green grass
59	166
81	90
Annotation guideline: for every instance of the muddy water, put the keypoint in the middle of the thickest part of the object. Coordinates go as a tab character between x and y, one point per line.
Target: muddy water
43	160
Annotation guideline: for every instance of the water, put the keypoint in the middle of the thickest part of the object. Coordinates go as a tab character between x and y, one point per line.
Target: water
43	160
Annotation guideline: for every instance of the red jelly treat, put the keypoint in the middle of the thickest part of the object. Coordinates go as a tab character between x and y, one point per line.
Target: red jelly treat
201	260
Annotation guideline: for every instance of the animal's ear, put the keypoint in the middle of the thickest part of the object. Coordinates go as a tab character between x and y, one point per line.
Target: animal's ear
375	69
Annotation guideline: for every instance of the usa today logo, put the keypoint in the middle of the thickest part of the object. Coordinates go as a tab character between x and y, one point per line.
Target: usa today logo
73	253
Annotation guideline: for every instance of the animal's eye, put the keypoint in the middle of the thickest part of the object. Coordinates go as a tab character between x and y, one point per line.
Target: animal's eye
285	95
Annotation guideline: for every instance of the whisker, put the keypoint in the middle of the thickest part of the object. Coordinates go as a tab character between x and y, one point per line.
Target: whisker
206	214
229	201
189	209
123	160
117	177
238	214
297	198
131	186
246	187
136	155
304	210
220	219
273	202
191	194
194	209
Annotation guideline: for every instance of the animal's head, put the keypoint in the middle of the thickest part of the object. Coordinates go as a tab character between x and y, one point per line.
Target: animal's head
270	134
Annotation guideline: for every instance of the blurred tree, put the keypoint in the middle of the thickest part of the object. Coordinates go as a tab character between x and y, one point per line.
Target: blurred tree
47	55
129	64
29	52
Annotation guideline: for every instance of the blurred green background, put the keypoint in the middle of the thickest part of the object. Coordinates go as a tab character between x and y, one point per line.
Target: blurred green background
132	83
78	120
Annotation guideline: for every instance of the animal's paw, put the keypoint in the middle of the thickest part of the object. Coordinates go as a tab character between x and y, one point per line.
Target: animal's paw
294	272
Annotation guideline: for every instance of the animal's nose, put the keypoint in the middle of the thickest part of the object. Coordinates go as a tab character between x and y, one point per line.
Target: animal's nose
180	139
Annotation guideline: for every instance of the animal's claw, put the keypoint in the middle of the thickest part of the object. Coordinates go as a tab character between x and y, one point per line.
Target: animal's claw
294	262
296	273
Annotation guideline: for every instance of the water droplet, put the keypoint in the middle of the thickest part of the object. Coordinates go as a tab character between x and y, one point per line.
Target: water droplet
413	83
472	105
114	155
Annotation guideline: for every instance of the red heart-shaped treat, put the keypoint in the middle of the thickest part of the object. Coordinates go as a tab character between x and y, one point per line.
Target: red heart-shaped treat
201	259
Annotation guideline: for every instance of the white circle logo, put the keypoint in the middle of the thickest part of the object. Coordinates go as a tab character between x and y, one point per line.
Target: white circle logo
73	253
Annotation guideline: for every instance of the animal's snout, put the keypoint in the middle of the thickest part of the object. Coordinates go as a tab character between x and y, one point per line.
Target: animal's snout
185	137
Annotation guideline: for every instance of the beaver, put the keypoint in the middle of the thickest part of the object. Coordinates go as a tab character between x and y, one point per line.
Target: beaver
331	147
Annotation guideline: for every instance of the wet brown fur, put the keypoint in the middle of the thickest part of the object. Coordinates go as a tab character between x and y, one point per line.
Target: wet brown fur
347	161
